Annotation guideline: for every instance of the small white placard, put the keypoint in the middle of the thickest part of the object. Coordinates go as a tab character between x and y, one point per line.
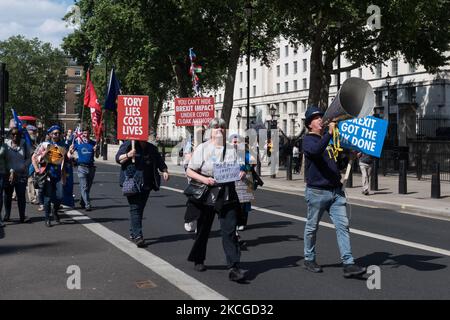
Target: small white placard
226	172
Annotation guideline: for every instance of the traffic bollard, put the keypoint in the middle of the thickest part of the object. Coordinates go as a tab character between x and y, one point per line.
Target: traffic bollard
402	186
288	167
436	182
349	183
374	176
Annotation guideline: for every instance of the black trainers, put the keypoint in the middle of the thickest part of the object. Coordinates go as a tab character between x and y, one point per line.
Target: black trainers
236	274
200	267
312	266
88	208
351	270
140	242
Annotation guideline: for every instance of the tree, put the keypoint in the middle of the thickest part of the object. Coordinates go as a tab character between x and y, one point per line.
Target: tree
417	29
37	77
148	41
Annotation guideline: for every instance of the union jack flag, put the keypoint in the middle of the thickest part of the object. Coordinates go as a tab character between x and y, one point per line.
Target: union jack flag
78	136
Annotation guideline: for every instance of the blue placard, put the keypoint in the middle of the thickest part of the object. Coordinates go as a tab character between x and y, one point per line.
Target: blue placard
365	135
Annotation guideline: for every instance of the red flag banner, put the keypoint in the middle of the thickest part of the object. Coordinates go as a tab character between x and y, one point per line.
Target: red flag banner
90	97
194	111
96	118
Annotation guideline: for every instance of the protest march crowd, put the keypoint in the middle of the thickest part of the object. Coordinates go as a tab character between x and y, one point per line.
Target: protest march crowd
221	180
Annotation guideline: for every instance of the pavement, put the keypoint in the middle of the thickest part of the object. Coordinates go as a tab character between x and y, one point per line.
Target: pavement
417	200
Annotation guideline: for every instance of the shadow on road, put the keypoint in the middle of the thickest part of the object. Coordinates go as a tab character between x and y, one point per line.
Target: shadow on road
276	224
268	239
259	267
12	249
413	261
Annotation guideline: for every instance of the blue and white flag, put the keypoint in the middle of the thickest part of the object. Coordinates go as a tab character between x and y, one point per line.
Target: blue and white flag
19	126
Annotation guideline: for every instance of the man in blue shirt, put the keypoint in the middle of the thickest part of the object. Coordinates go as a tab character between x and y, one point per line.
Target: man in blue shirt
324	193
85	149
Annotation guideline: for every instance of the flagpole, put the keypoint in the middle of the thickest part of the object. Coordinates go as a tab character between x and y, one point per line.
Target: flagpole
105	143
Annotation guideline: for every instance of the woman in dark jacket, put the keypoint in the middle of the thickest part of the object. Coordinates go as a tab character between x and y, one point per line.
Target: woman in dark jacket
148	161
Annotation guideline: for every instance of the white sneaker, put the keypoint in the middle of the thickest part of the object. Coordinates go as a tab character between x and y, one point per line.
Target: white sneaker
190	226
240	228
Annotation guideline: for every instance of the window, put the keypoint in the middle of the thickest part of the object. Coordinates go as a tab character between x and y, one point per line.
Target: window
63	109
294	107
295	85
295	67
77	89
360	72
378	98
411	94
394	66
77	73
254	74
286	51
286	69
241	77
284	108
252	111
305	65
254	91
240	93
379	70
393	97
285	126
278	88
278	53
412	68
286	86
348	75
295	51
304	83
304	102
278	71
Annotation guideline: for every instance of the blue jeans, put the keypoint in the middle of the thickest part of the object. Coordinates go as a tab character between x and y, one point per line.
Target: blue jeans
53	193
86	177
333	201
20	185
137	205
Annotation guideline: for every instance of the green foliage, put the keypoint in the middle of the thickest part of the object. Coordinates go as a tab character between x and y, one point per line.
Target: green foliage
37	78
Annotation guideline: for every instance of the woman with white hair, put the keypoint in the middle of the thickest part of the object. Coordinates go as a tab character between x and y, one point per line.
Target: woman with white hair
221	199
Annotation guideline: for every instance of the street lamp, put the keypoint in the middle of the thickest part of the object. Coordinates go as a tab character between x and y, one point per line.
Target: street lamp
238	118
248	12
274	116
388	82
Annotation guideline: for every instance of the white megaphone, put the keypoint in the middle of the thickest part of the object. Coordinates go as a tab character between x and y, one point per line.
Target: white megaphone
355	99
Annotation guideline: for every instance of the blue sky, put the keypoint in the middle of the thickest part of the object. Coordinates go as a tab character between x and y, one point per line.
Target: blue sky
34	18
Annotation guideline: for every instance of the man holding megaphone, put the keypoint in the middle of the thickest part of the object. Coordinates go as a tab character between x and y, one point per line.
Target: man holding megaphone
324	193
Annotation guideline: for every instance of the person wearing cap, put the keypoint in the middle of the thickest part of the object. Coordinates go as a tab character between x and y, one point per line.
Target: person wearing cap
324	193
49	160
85	149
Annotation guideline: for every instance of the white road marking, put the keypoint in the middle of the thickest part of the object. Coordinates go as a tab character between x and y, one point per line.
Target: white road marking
355	231
178	278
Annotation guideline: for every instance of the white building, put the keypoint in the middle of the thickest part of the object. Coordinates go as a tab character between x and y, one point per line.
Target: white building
285	84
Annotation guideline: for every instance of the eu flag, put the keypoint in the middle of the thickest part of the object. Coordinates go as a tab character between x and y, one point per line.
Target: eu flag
113	92
19	126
